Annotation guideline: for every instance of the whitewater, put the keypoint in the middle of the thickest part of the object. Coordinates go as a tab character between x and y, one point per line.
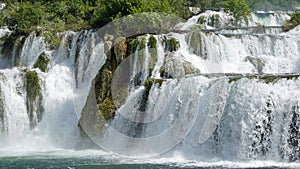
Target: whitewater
216	106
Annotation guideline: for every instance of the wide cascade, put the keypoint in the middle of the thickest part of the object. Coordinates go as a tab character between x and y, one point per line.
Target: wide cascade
204	91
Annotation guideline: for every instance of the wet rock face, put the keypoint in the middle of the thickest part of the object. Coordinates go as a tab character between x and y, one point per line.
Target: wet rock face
175	66
120	49
34	99
107	46
43	62
94	117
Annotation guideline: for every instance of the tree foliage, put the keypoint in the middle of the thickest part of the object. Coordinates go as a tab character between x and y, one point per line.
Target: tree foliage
267	5
238	9
51	17
293	22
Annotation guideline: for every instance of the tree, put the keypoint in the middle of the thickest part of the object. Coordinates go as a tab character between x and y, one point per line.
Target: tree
293	22
238	9
204	4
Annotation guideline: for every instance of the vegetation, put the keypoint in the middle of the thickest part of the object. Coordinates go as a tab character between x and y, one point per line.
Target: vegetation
152	42
34	98
171	44
32	85
237	8
264	5
266	78
149	82
293	22
42	62
267	5
51	17
107	108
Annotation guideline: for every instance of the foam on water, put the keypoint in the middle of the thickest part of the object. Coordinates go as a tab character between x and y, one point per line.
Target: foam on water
197	121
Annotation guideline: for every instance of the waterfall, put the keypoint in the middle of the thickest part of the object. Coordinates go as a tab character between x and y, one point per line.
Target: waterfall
206	91
63	91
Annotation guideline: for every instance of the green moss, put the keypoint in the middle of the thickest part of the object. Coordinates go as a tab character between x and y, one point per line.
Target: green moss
9	42
143	43
293	22
149	82
153	52
141	51
32	85
202	20
273	79
269	79
42	62
52	38
234	79
171	44
107	108
214	21
194	40
266	78
152	42
34	98
196	27
132	44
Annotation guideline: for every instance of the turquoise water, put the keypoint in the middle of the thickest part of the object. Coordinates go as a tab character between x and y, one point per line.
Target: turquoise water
74	163
86	159
113	162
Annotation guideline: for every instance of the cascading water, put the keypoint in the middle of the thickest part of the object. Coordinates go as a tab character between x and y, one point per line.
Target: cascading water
189	106
71	70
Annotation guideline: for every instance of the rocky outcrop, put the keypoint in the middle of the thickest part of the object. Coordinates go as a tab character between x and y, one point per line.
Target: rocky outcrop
100	108
34	98
171	44
120	49
175	66
42	62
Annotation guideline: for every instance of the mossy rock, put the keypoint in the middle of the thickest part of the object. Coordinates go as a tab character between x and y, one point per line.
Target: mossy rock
202	20
171	44
265	78
143	43
293	22
8	43
142	47
34	98
153	52
194	42
132	44
107	108
149	82
120	49
196	27
214	21
152	42
42	62
103	84
32	85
